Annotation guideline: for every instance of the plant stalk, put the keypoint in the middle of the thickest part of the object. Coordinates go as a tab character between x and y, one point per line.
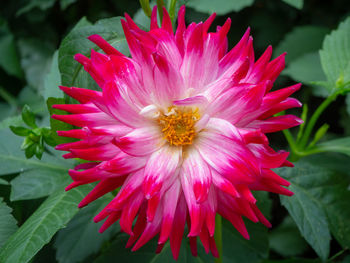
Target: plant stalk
218	237
314	118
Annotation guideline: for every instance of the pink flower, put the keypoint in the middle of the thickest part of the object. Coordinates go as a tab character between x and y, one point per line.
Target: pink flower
180	127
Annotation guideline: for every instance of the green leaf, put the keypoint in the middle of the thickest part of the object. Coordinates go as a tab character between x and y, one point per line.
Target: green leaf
331	161
9	59
35	60
237	249
307	69
38	230
65	3
12	159
298	4
8	224
28	116
53	80
286	239
41	4
314	189
15	121
20	131
310	219
37	183
341	145
335	53
221	7
300	41
72	73
141	19
71	242
3	182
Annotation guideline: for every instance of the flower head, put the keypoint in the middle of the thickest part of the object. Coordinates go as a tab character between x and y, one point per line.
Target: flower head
180	127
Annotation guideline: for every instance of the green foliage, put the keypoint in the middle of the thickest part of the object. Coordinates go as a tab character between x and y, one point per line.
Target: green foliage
71	242
38	230
286	239
221	7
341	145
319	205
9	59
295	3
34	138
237	249
335	54
53	80
300	41
35	60
8	225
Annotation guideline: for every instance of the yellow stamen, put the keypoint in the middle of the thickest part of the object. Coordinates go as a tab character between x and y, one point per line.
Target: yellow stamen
178	125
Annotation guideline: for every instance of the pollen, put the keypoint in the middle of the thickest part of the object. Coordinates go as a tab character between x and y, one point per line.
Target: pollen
178	125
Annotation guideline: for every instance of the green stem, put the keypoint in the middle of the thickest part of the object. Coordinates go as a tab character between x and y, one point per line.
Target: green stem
146	8
160	4
314	118
218	237
172	8
8	97
292	145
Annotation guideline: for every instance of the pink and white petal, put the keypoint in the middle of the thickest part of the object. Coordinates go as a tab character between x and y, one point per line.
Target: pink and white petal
233	108
198	174
98	153
75	133
129	212
275	124
131	185
169	84
120	107
198	100
257	71
103	187
151	229
86	119
178	227
224	184
141	141
170	201
116	130
267	156
221	126
123	163
271	175
253	136
235	52
86	96
77	108
196	211
282	106
159	168
229	158
104	45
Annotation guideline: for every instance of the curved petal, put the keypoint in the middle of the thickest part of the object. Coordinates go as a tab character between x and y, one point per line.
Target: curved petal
198	173
160	167
141	141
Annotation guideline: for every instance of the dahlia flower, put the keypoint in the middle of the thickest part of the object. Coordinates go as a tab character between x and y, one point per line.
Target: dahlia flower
180	128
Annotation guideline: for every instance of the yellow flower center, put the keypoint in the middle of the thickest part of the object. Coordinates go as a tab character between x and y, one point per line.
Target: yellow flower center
178	125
